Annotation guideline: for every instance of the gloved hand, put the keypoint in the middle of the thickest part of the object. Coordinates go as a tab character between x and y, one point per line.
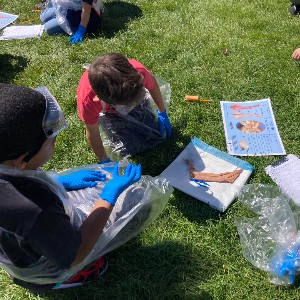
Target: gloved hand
81	179
105	161
164	123
286	263
118	184
77	37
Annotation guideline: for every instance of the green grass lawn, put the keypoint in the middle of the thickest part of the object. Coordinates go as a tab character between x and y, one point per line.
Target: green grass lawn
191	251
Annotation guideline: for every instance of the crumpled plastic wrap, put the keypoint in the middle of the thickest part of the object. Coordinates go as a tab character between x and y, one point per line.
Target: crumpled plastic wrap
137	131
271	240
137	207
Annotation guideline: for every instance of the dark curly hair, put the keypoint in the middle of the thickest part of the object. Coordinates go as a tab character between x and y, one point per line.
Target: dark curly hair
114	80
22	112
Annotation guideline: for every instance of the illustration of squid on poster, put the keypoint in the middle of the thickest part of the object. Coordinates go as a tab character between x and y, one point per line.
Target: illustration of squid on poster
250	128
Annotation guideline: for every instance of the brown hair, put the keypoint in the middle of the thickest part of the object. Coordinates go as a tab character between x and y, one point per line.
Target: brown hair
114	80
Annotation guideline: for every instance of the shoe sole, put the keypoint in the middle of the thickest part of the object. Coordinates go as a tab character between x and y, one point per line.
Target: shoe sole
71	285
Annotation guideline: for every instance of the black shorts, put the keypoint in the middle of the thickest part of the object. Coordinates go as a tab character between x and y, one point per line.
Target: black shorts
74	18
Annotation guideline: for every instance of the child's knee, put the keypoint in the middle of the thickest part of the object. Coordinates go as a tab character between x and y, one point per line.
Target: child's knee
47	14
52	27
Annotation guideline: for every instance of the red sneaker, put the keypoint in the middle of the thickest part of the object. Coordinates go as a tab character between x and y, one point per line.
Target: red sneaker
90	273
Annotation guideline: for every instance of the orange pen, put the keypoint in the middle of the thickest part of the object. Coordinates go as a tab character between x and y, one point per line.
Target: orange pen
196	98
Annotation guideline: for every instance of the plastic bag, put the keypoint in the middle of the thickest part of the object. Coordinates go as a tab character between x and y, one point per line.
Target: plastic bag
136	208
271	240
137	131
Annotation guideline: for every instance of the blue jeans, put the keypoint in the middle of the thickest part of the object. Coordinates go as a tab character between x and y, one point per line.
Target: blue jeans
48	17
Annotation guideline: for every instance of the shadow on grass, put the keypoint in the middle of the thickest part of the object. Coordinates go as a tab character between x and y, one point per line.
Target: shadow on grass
10	66
164	271
151	160
193	209
117	17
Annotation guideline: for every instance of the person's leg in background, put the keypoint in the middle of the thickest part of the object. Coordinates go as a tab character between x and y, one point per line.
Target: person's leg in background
295	7
48	13
48	17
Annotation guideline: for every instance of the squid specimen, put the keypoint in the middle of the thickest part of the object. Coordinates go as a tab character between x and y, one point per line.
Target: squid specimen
228	177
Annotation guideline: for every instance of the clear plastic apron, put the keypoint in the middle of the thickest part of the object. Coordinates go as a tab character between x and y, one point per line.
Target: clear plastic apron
135	209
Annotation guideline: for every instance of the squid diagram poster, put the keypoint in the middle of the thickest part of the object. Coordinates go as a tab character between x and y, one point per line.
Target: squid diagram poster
250	128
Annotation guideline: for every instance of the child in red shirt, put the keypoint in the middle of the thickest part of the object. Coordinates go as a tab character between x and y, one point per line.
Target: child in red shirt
114	86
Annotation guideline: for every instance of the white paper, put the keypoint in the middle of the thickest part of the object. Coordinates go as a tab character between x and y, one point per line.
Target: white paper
22	32
286	173
207	159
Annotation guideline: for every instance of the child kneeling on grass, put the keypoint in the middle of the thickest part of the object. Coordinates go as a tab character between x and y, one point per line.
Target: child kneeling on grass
115	87
41	246
74	17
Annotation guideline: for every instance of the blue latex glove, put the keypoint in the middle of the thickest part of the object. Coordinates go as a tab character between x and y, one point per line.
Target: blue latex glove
118	184
77	37
81	179
105	161
164	123
286	263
